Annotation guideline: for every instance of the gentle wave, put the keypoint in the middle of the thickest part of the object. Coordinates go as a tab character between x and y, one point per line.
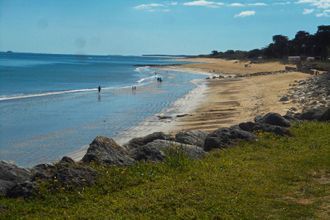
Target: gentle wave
140	82
143	69
147	70
6	98
150	78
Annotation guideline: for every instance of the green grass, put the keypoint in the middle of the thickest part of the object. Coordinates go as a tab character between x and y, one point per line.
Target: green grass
275	178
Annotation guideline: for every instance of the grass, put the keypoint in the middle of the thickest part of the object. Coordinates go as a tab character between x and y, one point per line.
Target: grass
275	178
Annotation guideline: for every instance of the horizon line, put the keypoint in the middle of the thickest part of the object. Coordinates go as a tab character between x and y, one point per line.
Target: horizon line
72	54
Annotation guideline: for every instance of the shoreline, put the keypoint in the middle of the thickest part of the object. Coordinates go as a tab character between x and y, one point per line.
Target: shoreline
237	91
214	103
164	121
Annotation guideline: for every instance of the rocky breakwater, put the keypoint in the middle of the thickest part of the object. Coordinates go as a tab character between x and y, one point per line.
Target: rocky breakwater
156	147
311	95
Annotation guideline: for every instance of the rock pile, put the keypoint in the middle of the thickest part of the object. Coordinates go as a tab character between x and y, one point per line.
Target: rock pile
19	182
313	93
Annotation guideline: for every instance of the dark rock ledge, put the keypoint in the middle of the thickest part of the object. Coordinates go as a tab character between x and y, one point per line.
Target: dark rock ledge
19	182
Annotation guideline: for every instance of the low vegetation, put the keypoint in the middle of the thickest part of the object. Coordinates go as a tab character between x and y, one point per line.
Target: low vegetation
276	178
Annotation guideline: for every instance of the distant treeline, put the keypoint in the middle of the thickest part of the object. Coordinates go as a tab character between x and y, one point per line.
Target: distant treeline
303	44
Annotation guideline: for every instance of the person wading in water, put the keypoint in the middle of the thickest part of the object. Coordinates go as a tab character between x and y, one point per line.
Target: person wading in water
99	88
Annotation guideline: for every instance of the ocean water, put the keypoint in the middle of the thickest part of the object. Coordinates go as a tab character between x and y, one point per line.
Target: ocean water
50	107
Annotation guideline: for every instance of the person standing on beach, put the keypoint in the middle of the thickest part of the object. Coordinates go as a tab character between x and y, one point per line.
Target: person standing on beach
99	89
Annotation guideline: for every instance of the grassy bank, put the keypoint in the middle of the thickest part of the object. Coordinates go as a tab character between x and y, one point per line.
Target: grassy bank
277	178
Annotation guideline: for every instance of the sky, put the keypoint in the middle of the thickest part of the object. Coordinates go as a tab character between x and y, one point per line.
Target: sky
136	27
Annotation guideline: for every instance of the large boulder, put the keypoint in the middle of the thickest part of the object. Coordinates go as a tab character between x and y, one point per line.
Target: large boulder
11	175
148	153
26	189
273	119
141	141
226	137
159	149
252	127
191	137
74	175
106	151
66	173
43	171
5	186
317	114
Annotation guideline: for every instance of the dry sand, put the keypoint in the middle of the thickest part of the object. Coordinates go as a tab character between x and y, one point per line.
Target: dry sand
210	65
231	101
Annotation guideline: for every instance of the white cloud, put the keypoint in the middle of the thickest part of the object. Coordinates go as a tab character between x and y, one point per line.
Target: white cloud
282	3
211	4
245	14
321	8
159	7
320	4
258	4
149	7
325	13
204	3
308	11
236	5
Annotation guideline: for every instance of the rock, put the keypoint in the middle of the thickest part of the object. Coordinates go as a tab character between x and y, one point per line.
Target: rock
253	127
326	115
77	175
273	119
107	151
284	99
11	175
163	117
319	114
26	189
247	126
148	153
5	186
136	142
42	171
293	109
11	172
67	160
226	137
291	116
64	174
159	149
191	137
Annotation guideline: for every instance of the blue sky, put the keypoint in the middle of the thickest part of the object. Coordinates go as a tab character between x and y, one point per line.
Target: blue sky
135	27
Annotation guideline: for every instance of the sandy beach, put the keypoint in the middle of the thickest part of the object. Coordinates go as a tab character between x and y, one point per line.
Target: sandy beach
216	103
228	67
233	100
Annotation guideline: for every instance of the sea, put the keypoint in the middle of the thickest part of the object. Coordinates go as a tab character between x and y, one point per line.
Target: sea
50	105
